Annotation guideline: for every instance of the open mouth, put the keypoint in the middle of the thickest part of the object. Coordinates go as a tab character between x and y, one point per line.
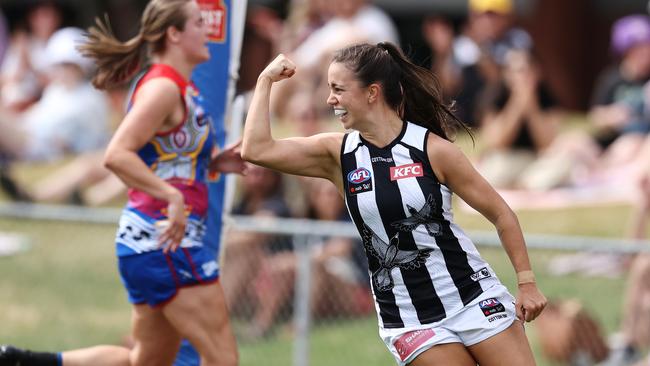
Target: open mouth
340	112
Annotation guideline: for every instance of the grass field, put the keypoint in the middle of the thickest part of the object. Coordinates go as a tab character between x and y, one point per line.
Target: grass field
65	292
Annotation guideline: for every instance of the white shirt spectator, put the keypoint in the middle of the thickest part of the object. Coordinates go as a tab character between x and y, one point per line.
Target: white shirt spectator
369	24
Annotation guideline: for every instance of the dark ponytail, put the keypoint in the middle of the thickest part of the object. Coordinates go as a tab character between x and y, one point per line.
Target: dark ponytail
412	91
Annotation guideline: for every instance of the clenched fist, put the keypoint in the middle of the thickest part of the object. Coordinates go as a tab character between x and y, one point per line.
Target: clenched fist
280	68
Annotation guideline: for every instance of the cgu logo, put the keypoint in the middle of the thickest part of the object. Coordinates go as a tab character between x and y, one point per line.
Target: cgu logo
489	302
359	175
406	171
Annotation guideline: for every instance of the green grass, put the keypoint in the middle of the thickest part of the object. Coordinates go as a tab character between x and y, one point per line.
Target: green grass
65	292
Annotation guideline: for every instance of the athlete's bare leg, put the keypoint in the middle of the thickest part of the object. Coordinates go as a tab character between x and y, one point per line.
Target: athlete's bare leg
200	314
509	347
156	343
443	355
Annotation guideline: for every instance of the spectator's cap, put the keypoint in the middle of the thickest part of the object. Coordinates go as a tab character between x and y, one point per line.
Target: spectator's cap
630	31
494	6
62	48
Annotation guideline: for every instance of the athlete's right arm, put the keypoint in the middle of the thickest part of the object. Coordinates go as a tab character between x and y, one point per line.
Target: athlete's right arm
315	156
156	102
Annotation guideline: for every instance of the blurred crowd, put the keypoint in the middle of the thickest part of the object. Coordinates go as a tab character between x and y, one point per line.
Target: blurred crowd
489	70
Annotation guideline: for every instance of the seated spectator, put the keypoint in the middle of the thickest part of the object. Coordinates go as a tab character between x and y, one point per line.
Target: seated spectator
70	118
262	196
340	285
519	122
23	73
612	151
470	62
618	103
84	180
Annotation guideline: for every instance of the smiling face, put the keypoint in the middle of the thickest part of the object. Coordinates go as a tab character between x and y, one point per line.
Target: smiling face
347	96
193	38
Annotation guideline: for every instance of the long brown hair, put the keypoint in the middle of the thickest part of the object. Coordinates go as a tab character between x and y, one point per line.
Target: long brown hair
118	61
412	91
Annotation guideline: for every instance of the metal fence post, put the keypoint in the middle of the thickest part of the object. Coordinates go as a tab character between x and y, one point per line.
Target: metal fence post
302	313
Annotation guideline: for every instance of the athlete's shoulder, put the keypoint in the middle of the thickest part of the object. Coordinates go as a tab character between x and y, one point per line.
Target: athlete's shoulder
439	146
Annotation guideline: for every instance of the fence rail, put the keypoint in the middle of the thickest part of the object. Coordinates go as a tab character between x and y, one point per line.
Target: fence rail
312	227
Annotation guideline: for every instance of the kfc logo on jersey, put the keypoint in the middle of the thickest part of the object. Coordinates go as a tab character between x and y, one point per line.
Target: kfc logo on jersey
491	306
411	341
359	175
406	171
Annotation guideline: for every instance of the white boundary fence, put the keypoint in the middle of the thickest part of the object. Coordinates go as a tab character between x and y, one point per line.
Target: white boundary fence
303	233
320	228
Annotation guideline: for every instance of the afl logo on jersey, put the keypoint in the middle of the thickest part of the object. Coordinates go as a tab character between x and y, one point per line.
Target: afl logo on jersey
359	175
359	181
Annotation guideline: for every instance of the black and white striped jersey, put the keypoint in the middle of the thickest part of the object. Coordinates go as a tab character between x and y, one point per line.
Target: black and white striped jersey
423	266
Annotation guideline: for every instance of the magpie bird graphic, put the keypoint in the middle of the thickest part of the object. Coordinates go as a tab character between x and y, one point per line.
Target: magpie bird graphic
390	256
422	217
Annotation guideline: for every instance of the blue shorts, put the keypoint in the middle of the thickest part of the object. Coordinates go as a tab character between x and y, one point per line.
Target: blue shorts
154	278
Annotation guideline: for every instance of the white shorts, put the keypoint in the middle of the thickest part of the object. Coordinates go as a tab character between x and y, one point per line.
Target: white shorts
487	315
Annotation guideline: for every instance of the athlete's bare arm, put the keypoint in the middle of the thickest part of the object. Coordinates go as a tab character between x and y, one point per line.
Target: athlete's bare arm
315	156
454	170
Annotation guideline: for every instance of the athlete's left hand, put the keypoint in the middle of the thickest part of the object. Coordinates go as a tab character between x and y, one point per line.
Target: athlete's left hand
229	160
530	302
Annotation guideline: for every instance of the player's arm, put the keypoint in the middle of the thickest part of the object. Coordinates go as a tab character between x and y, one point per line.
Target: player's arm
315	156
157	100
454	170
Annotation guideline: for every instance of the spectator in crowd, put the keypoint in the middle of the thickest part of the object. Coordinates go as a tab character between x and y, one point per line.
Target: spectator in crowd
618	107
262	196
54	127
339	273
23	73
602	163
619	111
470	62
84	180
519	121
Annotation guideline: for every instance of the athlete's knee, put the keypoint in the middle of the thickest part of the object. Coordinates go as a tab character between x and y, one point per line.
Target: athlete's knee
222	358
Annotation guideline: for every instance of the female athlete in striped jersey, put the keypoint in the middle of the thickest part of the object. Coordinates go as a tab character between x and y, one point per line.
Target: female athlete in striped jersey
163	150
438	302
